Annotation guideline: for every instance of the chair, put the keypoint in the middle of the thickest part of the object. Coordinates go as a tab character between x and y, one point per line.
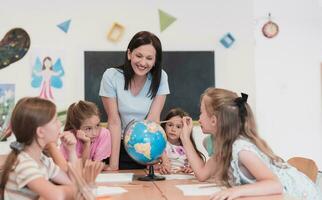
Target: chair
306	166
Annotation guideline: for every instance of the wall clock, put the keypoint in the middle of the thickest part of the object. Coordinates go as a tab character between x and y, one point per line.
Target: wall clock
270	29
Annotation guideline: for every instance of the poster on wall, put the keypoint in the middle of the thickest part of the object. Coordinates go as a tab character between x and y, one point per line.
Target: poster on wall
47	74
7	101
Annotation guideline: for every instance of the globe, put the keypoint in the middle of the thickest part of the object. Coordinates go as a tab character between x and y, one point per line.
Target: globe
145	142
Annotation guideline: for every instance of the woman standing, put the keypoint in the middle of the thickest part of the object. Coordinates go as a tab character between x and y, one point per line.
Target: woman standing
135	90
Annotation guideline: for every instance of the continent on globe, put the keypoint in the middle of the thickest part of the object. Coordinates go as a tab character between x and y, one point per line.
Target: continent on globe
152	127
143	148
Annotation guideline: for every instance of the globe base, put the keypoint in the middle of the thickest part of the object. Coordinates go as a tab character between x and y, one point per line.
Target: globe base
151	176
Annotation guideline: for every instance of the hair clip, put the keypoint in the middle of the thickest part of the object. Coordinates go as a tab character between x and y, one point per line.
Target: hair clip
17	146
240	102
244	97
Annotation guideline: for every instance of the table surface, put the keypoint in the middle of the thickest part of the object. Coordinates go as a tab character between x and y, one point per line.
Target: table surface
162	190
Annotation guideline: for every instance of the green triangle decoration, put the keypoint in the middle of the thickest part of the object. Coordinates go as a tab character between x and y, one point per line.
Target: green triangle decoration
165	20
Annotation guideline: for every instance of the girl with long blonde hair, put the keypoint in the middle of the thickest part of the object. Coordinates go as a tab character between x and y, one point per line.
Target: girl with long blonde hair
242	160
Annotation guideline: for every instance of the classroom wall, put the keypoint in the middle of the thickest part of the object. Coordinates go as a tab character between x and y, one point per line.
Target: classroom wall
280	79
288	81
197	28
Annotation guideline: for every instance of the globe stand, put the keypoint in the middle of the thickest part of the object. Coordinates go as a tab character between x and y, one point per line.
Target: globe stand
151	176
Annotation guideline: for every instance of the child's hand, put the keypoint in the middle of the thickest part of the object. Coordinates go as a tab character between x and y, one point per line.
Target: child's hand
109	168
229	194
91	169
165	168
69	141
82	136
186	129
186	170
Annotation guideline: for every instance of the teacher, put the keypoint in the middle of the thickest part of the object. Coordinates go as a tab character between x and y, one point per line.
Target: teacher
135	90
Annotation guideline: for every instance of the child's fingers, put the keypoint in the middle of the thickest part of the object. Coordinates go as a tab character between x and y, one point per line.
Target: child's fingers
187	170
162	171
165	169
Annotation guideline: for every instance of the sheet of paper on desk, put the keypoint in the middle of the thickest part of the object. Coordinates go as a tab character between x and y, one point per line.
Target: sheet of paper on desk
176	176
108	191
114	177
199	189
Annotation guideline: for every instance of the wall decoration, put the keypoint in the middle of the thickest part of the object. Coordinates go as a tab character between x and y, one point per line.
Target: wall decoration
7	101
13	46
270	29
46	75
115	32
227	40
64	26
165	20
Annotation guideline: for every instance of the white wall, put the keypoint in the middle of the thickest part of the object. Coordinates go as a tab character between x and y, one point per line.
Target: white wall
288	82
288	105
199	27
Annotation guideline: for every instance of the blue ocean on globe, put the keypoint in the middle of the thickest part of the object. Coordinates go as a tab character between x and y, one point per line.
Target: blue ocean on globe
145	141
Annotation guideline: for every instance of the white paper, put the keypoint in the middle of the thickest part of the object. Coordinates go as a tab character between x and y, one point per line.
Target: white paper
114	177
176	176
199	189
108	191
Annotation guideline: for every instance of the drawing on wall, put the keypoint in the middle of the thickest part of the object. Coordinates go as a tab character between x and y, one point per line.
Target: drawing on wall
13	46
165	20
7	101
115	32
227	40
64	26
47	74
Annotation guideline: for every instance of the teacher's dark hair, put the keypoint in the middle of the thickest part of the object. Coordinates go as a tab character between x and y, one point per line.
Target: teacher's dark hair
139	39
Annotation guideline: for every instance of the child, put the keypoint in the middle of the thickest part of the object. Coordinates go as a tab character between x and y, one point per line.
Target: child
241	160
93	142
27	170
174	159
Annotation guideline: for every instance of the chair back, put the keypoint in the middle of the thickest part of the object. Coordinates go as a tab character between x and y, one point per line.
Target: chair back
306	166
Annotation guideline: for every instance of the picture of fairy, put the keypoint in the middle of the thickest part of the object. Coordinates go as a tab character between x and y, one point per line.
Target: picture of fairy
7	102
47	75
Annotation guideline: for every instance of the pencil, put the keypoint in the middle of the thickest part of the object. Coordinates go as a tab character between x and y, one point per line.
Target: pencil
161	122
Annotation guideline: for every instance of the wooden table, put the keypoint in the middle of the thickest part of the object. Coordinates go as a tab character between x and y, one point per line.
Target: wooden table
170	191
163	190
137	190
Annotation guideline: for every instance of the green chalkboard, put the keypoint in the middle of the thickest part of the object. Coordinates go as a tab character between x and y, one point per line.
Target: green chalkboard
189	74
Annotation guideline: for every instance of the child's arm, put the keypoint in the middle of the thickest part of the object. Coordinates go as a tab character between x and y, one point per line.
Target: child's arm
69	141
165	167
49	191
267	182
202	170
86	144
57	156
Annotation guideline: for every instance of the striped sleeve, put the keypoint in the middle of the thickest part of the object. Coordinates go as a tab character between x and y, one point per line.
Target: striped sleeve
27	170
51	167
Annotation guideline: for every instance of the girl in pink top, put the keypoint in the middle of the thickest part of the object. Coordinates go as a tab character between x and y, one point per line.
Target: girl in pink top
93	141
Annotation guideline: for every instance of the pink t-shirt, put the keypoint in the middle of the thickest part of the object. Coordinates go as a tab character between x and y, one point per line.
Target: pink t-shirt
100	147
